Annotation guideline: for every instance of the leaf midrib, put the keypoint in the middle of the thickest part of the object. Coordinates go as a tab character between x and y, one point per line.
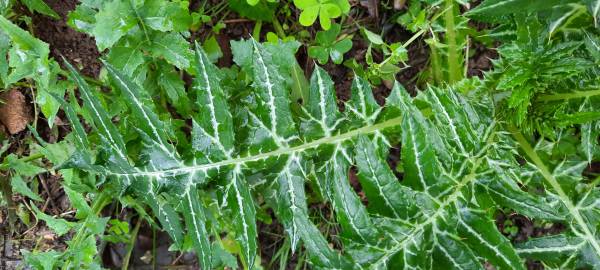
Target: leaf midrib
562	195
476	161
432	218
279	152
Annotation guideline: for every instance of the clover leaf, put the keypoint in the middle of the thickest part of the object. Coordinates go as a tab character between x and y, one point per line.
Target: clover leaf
324	9
329	47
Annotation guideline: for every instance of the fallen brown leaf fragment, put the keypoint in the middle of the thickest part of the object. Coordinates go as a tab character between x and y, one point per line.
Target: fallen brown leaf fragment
14	111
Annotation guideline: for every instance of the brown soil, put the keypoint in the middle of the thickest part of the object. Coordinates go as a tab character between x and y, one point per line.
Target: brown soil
527	230
16	236
78	48
481	61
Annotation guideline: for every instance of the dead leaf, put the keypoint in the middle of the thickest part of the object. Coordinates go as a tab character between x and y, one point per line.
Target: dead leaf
14	112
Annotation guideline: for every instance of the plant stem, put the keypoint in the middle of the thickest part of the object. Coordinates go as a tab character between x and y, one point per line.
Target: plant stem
256	30
454	71
436	68
131	244
278	28
466	58
537	161
102	199
418	34
153	248
567	96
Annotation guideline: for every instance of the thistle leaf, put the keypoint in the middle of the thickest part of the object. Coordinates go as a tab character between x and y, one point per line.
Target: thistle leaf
458	167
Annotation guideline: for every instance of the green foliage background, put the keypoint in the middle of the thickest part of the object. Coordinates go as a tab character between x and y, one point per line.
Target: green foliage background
207	160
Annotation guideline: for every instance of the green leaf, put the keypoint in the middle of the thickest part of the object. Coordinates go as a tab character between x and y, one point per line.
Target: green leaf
338	50
261	11
421	166
352	215
372	37
23	168
493	10
99	114
222	258
169	219
28	57
59	226
255	148
594	7
113	21
165	16
82	18
386	195
324	9
319	53
170	81
329	47
47	101
242	205
212	49
19	186
362	105
125	58
212	134
195	222
561	251
41	7
299	84
78	202
148	120
23	39
173	48
321	106
520	201
481	232
589	144
273	113
309	15
41	260
452	253
289	200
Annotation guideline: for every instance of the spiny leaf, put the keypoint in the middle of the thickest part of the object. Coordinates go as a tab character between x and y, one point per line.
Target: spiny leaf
458	167
213	135
242	203
492	10
196	223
